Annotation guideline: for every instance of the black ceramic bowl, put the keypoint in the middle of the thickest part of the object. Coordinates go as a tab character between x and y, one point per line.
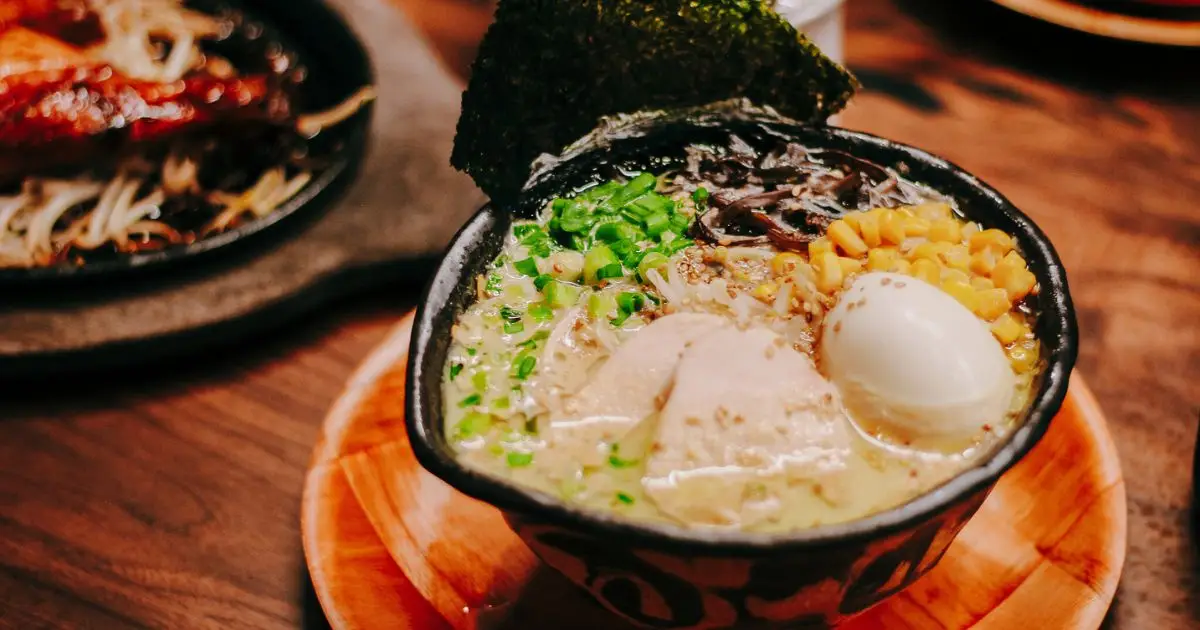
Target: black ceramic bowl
664	576
335	65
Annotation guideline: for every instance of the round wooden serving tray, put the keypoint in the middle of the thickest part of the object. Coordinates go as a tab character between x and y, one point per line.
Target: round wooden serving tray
1098	21
390	546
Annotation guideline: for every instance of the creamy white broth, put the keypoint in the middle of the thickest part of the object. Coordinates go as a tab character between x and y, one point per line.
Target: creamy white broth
633	410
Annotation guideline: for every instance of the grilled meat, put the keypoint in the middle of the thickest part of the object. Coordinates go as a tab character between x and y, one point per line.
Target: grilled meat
60	107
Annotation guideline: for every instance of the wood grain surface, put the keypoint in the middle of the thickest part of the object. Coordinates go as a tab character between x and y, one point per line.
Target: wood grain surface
387	543
168	497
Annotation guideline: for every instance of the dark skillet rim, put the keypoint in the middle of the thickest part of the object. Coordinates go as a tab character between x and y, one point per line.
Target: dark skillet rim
353	59
1057	329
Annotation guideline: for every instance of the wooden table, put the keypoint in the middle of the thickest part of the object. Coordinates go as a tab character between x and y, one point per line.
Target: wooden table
168	497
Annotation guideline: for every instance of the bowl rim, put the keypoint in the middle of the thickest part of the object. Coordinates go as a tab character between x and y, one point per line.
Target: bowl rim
1057	323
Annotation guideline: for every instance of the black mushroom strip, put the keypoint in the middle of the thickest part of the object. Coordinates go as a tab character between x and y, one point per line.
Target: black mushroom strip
790	197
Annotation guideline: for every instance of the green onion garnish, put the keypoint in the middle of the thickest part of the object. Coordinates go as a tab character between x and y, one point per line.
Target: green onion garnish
624	498
471	351
700	195
512	328
615	270
541	312
510	314
494	282
455	369
472	424
527	267
479	380
535	338
631	302
501	403
541	281
470	401
524	366
519	460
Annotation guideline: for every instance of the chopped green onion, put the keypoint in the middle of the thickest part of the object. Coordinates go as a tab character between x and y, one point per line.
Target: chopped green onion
601	305
614	270
479	380
631	302
520	460
534	338
600	192
636	187
455	370
616	231
501	403
541	281
473	424
621	318
700	195
494	282
512	328
471	351
560	294
597	258
524	366
657	224
680	223
652	260
623	248
541	313
617	462
654	298
510	314
559	204
527	267
654	204
470	401
624	498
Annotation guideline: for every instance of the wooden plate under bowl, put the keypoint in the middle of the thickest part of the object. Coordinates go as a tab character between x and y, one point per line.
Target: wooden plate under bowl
390	546
1109	23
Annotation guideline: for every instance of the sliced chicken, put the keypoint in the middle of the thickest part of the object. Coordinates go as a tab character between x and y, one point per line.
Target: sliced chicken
747	415
627	389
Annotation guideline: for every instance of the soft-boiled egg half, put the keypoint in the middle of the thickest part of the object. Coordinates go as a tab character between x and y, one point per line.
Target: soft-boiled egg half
914	366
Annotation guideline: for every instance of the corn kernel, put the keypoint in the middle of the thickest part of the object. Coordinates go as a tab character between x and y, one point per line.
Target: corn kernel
916	226
785	263
1007	329
927	270
956	257
932	251
818	247
982	284
868	227
1019	283
1011	272
1014	259
970	229
902	266
765	291
853	219
945	230
992	239
955	275
882	258
846	238
962	292
1023	359
829	273
850	266
992	303
891	227
934	211
983	262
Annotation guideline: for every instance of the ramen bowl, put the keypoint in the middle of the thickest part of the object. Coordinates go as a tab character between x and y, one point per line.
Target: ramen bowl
663	575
